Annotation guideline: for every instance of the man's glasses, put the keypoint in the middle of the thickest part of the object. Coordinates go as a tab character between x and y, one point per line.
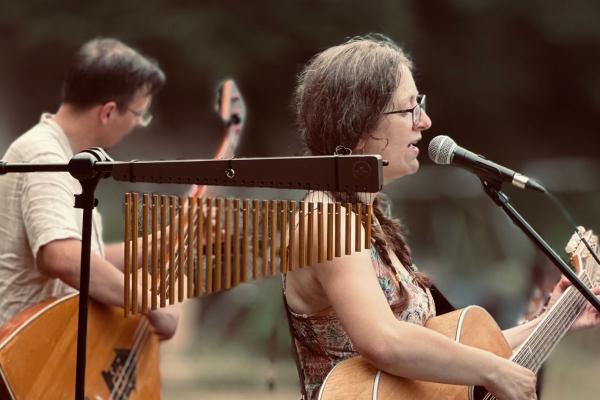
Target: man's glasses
144	117
415	111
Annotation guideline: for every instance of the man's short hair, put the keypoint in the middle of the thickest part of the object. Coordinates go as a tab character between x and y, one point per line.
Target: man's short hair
106	70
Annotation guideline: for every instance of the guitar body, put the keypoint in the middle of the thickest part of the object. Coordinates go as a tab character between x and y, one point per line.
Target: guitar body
38	353
355	378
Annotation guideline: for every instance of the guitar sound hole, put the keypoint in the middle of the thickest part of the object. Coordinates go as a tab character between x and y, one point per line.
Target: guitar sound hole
480	392
120	377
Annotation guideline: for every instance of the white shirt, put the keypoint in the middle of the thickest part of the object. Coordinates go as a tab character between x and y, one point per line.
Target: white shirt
36	209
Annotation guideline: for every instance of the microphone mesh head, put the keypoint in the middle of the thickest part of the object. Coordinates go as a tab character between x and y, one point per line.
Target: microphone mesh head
441	149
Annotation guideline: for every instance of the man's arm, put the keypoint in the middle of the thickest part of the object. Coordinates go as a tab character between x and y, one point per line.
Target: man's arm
114	253
61	259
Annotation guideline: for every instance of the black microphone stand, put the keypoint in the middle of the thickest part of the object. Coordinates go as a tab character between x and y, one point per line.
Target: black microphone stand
493	190
83	168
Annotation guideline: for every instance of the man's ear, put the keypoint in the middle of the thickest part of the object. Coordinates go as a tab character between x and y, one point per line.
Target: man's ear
106	111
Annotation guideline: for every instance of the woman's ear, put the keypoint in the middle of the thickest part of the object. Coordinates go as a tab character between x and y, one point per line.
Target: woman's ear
360	146
106	110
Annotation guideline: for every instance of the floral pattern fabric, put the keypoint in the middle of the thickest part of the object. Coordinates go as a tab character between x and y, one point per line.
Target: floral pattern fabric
320	340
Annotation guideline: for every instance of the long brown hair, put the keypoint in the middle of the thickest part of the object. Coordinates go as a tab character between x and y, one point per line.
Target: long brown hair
340	96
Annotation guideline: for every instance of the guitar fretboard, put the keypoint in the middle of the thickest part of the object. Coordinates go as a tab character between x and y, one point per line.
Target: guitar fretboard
537	347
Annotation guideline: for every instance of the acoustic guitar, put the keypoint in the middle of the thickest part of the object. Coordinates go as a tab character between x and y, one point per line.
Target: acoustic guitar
38	346
355	378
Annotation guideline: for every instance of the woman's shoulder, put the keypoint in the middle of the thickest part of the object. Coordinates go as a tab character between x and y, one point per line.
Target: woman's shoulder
304	287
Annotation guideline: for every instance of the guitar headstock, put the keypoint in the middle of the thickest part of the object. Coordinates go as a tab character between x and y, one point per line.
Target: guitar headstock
581	258
232	110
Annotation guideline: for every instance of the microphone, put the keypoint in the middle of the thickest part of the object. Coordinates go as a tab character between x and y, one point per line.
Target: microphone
444	150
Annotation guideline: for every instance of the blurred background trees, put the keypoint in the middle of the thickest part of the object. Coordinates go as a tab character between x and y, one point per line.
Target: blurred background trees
516	81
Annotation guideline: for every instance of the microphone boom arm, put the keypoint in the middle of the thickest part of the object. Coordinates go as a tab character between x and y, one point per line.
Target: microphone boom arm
493	190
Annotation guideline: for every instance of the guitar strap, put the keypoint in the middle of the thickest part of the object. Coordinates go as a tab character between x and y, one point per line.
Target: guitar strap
442	305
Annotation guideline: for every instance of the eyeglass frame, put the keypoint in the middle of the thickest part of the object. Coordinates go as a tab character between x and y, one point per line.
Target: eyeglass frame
415	111
144	117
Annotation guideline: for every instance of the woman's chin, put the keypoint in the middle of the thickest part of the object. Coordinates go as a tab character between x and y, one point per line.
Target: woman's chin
413	167
410	170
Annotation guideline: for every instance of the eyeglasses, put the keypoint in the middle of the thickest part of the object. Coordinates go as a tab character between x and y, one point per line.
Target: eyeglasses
144	117
415	111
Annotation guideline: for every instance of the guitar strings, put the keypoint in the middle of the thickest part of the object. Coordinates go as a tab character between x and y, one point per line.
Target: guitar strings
489	396
563	318
568	308
554	327
124	378
564	314
566	321
551	329
545	331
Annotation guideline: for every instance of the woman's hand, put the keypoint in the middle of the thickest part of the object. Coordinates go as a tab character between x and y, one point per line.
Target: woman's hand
589	317
510	381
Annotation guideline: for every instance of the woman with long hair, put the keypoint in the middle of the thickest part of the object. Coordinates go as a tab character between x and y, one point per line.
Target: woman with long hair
361	97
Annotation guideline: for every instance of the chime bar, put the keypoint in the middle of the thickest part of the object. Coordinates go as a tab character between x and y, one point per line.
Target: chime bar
309	234
127	259
199	249
358	216
218	246
190	247
273	244
145	200
134	250
227	256
209	246
255	205
181	248
236	243
320	247
348	228
292	237
163	250
301	236
245	217
283	237
154	252
265	236
353	173
172	244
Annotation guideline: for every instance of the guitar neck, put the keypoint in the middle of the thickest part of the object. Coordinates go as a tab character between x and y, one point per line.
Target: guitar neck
538	346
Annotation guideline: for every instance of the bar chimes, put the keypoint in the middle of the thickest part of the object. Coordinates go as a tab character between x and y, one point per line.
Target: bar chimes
177	247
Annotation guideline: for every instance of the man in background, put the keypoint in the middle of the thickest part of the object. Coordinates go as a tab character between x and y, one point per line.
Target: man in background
107	93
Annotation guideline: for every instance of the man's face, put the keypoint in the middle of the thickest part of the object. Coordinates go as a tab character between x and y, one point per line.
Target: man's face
122	123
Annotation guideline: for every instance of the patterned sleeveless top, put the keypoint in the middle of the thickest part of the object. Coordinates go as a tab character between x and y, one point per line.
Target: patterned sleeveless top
321	342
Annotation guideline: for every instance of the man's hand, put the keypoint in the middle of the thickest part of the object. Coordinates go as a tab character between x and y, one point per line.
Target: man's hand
164	321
